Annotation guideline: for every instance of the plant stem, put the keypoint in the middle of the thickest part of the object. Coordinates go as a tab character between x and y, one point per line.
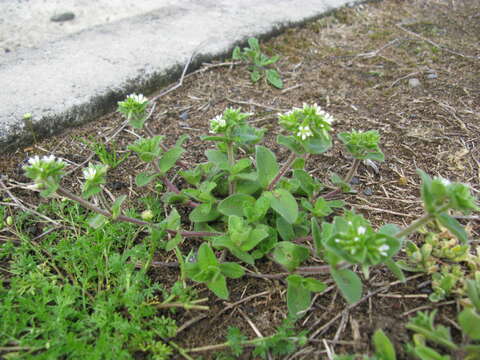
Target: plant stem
87	204
186	306
351	173
414	226
282	171
231	162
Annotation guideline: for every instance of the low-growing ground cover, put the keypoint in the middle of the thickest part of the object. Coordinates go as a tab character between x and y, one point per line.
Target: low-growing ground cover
406	69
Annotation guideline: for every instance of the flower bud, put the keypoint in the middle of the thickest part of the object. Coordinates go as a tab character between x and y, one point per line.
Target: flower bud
147	215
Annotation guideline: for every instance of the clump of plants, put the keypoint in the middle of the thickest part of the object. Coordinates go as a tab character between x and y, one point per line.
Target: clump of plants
449	262
259	63
245	206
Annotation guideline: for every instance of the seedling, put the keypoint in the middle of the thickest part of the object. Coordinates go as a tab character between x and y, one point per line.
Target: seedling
259	63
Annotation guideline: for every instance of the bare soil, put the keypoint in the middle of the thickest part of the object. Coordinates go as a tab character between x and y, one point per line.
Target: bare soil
359	64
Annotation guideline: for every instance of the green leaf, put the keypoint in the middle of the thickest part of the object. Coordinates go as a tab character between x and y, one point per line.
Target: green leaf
453	226
144	178
426	192
291	143
267	166
219	158
290	255
298	164
298	297
219	286
284	204
306	181
285	229
273	77
317	235
253	43
241	165
317	145
168	160
349	284
204	213
395	269
469	320
116	206
255	75
314	285
232	270
236	54
97	221
383	346
206	257
173	242
426	353
234	204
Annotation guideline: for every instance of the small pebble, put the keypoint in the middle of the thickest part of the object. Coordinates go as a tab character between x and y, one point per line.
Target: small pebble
184	116
368	191
432	76
355	181
413	82
61	17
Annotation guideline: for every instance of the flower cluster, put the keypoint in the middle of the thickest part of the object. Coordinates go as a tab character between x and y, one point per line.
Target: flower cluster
439	193
134	109
45	172
363	144
230	118
94	177
218	124
356	242
309	121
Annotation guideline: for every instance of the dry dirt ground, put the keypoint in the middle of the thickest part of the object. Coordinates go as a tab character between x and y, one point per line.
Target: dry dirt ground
409	69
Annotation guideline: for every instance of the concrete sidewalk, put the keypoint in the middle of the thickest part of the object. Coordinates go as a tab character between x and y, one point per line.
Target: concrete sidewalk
79	77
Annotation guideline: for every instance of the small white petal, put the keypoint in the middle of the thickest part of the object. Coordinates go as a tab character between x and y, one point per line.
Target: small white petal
34	160
361	230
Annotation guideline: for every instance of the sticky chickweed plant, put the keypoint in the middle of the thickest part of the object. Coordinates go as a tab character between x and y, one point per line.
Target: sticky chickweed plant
259	63
245	206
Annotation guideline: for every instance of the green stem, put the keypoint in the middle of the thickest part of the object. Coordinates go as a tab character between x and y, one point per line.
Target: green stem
87	204
414	226
231	162
181	262
282	171
351	173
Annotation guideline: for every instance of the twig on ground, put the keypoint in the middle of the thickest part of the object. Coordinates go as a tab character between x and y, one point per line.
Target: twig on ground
429	306
251	103
403	78
374	53
444	48
332	321
19	204
254	328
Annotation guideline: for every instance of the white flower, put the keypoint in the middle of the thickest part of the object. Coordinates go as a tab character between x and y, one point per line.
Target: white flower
89	173
317	108
49	159
383	249
361	230
327	117
34	161
217	123
445	182
138	98
304	132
